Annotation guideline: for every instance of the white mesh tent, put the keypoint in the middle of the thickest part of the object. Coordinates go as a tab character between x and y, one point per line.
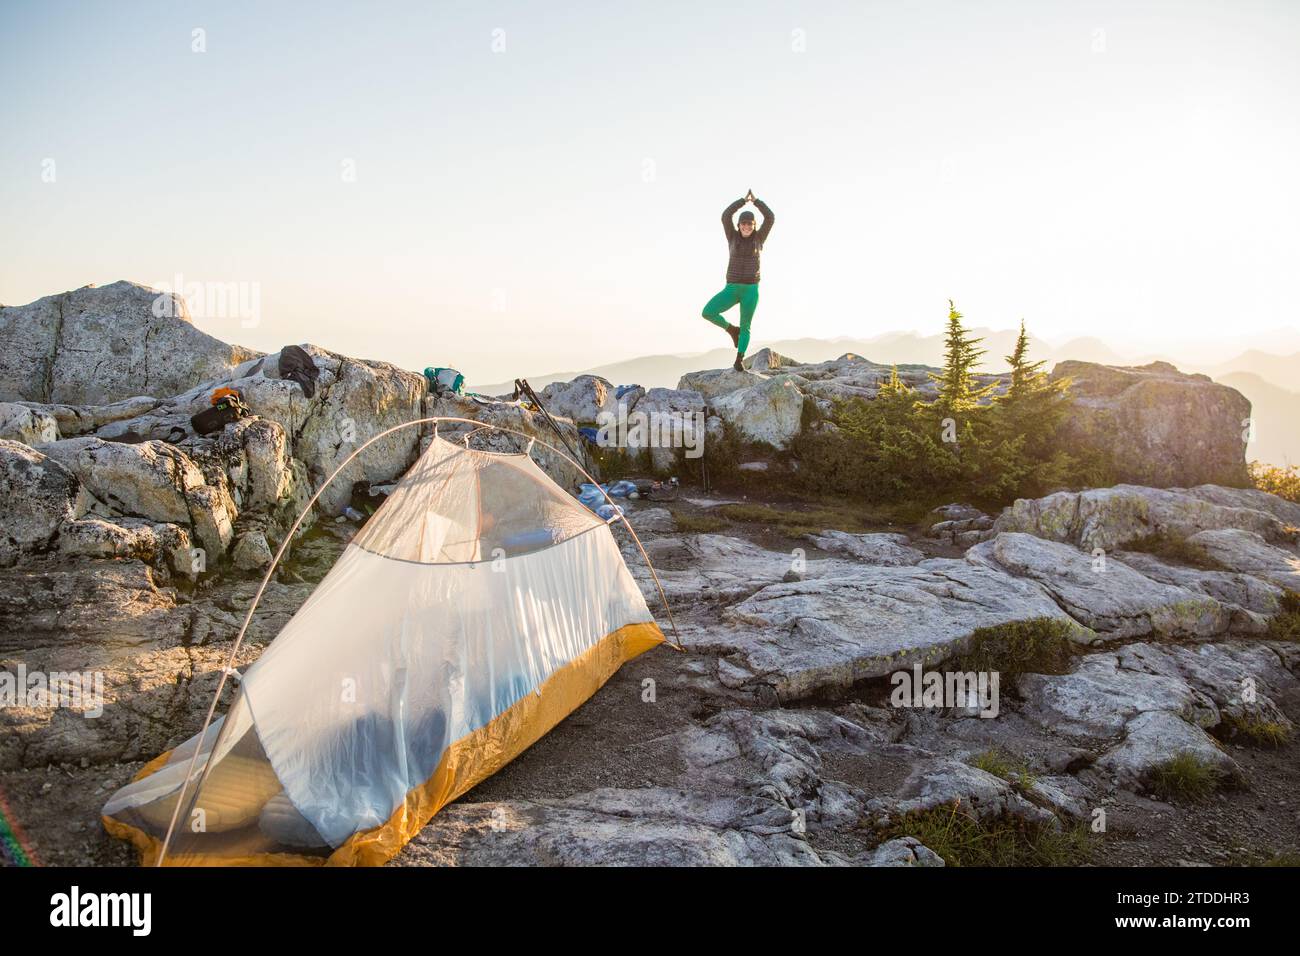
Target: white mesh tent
477	608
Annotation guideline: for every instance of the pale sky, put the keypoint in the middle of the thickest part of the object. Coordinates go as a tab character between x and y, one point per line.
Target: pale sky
538	186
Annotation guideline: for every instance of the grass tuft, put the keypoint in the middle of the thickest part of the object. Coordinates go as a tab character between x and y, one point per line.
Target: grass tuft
1037	646
1175	548
1185	777
1285	624
1011	768
699	524
1256	730
962	839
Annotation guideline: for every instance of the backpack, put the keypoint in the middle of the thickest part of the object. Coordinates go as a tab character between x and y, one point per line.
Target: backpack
296	365
226	409
445	381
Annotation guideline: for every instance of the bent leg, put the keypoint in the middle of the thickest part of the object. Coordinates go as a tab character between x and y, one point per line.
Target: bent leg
720	303
748	303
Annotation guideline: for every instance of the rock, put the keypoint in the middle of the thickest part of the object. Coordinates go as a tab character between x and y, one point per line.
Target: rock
251	552
96	345
1152	739
714	383
611	827
27	425
150	480
904	851
1251	599
584	399
1117	602
675	419
36	496
769	412
1288	512
1155	425
830	631
883	549
942	782
1109	518
74	420
1249	552
765	360
112	603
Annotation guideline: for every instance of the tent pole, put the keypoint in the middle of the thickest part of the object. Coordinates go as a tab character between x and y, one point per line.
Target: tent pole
266	580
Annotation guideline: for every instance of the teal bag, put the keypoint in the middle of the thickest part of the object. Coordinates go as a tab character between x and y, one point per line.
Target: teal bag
443	381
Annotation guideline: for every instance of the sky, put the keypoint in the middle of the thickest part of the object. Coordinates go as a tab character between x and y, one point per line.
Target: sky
516	188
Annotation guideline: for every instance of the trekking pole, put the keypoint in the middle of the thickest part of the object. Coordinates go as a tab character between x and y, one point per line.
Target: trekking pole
522	385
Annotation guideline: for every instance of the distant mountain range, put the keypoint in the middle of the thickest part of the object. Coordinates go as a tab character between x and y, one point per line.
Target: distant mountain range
1267	378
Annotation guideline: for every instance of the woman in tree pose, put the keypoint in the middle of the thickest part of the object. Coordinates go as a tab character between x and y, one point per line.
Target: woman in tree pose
744	245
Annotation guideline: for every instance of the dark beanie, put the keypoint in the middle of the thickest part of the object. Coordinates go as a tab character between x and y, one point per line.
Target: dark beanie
746	216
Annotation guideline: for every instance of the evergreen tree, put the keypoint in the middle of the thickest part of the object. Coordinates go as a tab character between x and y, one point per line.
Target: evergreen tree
957	391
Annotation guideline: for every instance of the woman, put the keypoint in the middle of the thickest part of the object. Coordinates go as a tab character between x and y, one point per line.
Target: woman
744	246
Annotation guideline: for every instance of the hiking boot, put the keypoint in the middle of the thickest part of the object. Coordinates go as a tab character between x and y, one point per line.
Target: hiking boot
734	332
740	363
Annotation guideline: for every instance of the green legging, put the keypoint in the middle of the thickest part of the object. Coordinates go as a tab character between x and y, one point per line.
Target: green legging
746	293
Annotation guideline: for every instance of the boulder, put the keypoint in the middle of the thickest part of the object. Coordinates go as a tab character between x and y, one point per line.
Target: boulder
97	345
1106	595
28	425
151	480
37	495
674	419
584	399
770	412
827	632
1154	425
74	420
766	360
1248	552
1109	518
712	383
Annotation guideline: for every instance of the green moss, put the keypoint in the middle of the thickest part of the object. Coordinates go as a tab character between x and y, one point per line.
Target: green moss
964	840
1185	777
1036	646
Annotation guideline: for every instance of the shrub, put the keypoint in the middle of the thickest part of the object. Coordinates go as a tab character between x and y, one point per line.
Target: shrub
1283	482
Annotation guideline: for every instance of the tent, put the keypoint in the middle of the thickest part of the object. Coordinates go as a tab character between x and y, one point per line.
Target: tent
477	608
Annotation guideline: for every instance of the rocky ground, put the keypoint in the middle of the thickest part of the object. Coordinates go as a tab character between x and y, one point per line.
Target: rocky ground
772	739
1148	673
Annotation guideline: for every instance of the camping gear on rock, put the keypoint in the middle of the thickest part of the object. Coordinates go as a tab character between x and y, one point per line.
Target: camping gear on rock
223	392
478	607
298	366
224	410
663	490
444	381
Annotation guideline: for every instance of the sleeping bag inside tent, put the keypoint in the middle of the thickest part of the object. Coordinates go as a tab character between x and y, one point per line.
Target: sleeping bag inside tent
477	608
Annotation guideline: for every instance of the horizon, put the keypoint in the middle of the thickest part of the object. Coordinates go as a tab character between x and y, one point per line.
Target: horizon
454	180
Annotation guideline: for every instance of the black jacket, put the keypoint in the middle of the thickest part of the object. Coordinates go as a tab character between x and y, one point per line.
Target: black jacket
742	265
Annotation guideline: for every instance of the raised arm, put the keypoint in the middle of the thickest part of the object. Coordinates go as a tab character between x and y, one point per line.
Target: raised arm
728	226
768	219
